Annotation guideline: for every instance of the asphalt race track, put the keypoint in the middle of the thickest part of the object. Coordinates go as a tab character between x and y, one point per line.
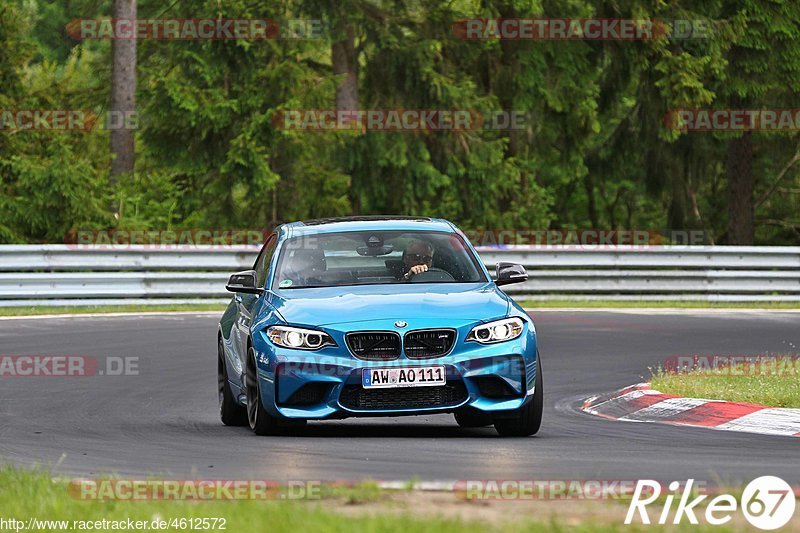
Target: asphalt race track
165	421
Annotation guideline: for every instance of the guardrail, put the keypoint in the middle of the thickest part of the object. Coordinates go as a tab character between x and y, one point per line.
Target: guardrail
63	274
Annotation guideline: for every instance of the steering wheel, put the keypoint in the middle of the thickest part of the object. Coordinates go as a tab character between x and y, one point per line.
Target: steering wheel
432	275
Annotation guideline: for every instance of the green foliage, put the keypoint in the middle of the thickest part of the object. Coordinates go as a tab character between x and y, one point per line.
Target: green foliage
52	182
594	151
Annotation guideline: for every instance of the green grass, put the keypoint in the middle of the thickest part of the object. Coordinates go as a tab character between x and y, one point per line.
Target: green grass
81	309
28	494
366	491
619	304
775	385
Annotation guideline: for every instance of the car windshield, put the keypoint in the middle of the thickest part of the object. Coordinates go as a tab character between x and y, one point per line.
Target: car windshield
375	257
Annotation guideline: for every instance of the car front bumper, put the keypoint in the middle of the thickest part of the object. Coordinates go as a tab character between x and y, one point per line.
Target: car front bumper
494	378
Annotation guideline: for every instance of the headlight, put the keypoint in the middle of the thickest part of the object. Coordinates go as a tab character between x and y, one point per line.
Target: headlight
299	338
497	331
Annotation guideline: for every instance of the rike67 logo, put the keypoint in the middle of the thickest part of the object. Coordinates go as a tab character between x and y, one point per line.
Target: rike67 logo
768	503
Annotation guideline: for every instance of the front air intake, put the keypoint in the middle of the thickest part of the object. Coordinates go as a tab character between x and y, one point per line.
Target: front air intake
358	398
427	343
374	345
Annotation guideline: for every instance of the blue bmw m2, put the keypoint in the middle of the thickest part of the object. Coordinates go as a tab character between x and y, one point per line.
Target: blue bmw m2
376	316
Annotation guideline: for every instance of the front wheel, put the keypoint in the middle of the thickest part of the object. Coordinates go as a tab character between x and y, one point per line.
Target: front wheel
230	412
528	419
260	421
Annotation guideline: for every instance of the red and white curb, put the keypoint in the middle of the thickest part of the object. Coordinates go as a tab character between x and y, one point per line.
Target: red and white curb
640	403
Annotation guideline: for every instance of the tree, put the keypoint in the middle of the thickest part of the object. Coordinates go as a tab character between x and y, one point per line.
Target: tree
763	72
123	95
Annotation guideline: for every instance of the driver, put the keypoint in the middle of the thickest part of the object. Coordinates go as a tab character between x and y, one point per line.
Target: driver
417	258
305	267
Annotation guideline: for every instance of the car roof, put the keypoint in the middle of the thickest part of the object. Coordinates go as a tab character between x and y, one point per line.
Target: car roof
367	223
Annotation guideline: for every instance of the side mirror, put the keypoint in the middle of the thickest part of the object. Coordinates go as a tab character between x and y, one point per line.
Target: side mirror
244	281
510	273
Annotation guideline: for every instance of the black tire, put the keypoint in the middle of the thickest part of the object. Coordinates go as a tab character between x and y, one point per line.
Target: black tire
230	412
529	417
260	421
472	418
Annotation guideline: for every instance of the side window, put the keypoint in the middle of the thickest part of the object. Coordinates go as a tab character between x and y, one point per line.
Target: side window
264	258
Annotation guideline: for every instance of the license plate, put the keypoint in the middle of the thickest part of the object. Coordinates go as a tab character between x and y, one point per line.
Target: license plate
410	376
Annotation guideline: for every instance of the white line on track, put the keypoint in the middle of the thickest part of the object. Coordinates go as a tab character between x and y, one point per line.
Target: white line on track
627	310
114	315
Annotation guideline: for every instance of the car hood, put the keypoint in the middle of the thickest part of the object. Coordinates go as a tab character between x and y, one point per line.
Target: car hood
338	305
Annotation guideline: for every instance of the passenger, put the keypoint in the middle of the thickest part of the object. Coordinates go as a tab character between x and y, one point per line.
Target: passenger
305	268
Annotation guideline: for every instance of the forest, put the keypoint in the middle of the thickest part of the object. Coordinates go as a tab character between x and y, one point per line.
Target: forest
220	138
